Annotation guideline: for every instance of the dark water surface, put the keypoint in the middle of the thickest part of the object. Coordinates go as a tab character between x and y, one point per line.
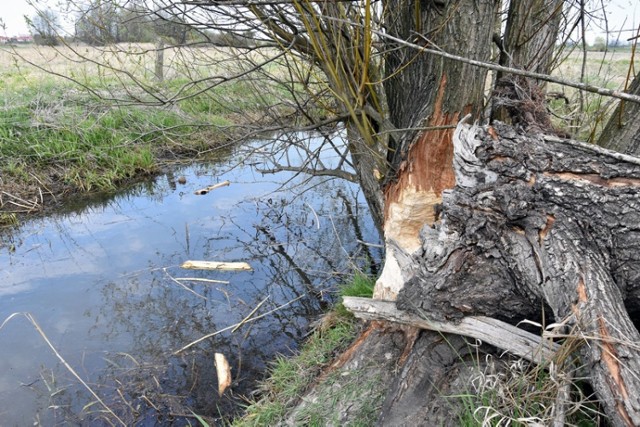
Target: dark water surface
100	280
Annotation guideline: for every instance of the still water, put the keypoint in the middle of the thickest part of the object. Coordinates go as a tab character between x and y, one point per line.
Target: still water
103	281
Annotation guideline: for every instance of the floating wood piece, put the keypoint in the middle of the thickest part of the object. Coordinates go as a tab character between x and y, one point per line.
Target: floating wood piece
224	372
216	265
198	279
205	190
486	329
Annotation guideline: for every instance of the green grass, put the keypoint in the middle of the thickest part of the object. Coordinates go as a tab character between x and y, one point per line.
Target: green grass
90	151
360	285
59	137
8	219
289	378
56	138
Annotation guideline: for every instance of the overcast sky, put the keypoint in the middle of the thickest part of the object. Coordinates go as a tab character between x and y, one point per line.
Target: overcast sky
621	14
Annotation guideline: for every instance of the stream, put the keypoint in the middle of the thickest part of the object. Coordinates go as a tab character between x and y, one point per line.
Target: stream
101	281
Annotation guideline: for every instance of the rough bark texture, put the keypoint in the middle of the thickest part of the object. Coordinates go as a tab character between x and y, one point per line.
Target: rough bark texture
536	222
531	34
528	44
622	132
425	91
427	390
416	79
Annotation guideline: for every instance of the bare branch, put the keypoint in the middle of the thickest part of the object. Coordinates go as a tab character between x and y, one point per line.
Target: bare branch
337	173
495	67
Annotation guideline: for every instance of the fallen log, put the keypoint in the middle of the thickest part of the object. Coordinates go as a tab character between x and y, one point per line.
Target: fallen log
491	331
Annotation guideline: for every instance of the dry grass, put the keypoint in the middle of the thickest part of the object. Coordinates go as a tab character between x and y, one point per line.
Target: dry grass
130	61
583	115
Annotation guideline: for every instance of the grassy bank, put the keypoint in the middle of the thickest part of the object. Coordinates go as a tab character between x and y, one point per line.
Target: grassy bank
79	119
289	378
108	126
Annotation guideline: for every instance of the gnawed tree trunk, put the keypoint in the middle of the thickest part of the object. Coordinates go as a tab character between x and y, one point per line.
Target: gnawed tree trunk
426	96
348	389
622	132
535	226
538	222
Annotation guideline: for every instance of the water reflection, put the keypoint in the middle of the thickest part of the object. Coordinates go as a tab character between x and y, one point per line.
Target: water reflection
101	280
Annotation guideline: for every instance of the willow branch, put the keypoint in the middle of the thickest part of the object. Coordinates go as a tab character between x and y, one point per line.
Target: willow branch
495	67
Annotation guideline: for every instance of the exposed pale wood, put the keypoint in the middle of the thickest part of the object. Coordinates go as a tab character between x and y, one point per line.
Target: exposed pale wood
224	372
206	190
216	265
426	96
486	329
199	279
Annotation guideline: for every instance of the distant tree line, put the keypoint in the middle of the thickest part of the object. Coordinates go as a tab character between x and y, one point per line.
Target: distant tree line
44	27
102	23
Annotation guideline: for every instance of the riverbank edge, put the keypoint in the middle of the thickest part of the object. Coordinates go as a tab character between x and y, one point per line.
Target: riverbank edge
37	190
322	384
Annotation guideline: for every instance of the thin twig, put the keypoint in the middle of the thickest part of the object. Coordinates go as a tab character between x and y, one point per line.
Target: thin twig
197	279
314	214
182	284
248	316
35	324
213	334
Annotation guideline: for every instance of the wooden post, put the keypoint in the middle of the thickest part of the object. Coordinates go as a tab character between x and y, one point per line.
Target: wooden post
159	66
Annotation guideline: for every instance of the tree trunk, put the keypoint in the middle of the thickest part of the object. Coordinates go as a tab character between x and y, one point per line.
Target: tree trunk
622	132
426	96
538	222
528	44
530	34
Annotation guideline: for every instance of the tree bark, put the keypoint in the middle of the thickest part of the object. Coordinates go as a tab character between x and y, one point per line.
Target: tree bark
531	33
622	132
427	95
529	41
535	222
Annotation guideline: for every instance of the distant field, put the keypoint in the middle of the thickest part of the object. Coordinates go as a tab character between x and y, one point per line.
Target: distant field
608	69
77	60
584	117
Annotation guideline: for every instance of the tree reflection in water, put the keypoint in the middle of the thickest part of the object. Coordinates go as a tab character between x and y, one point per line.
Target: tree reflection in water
301	240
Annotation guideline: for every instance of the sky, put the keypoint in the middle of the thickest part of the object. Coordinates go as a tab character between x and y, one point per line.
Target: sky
621	14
